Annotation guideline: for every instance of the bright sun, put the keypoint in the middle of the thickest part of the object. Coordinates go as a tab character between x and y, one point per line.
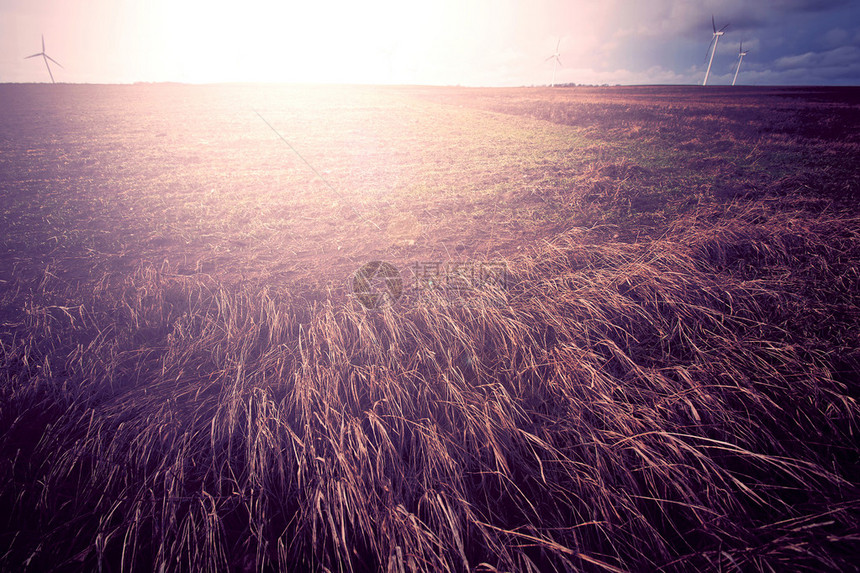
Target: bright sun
374	41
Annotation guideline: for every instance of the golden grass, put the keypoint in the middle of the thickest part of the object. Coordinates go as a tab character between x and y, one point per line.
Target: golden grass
682	403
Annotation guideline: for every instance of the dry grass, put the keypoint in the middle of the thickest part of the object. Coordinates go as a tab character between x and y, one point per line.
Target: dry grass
670	383
682	403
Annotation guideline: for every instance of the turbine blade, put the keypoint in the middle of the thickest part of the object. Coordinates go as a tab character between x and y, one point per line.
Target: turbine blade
724	27
708	53
713	24
546	60
557	44
43	43
49	71
33	56
55	61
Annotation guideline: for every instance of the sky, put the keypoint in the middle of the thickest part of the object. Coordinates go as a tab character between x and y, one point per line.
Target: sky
433	42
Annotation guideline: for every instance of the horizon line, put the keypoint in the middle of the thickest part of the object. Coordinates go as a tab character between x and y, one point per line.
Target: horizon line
395	85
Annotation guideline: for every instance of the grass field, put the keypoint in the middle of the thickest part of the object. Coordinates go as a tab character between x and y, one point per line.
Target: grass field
667	379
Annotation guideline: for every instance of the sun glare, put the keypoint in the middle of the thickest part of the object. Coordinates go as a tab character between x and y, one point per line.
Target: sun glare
340	41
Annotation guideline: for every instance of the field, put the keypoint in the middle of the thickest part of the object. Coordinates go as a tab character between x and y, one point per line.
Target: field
664	376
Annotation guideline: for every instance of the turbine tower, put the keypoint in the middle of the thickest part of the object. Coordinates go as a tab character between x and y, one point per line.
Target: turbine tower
46	57
741	55
557	61
714	41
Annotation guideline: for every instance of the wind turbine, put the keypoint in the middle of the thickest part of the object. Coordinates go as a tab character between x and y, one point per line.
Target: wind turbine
741	55
557	61
46	57
714	41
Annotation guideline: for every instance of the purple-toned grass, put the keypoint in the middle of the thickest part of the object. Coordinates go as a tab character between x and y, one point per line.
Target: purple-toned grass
682	403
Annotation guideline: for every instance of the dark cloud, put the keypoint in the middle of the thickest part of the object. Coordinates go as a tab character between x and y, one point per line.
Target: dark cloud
837	59
790	41
810	5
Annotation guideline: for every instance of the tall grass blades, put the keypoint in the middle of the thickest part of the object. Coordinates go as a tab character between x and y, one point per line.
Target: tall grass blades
681	403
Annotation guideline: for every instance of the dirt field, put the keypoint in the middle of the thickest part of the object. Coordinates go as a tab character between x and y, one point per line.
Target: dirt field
666	378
